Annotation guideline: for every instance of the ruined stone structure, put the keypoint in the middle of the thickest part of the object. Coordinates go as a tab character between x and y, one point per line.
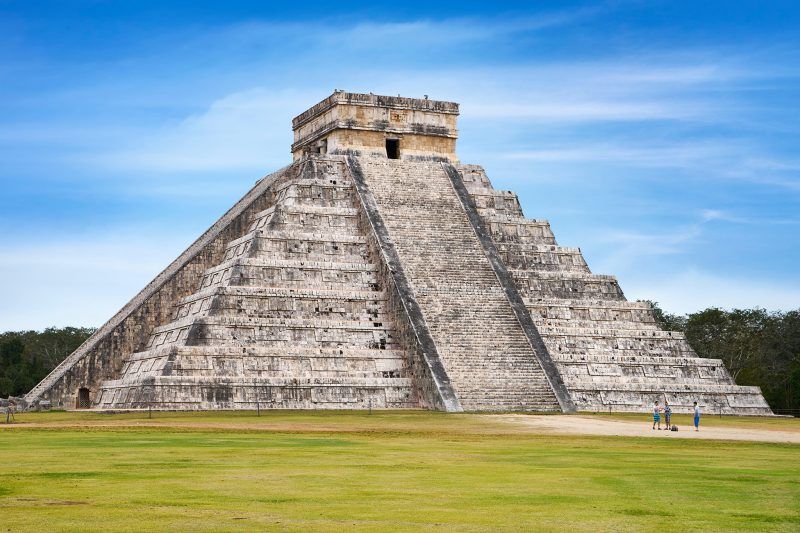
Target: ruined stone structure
377	272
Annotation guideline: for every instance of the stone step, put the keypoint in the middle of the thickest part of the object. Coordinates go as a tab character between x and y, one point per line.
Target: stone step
496	200
298	245
252	322
664	386
616	311
286	308
306	218
301	236
663	349
302	209
292	272
566	276
316	192
215	393
203	329
739	402
271	351
645	334
303	293
577	346
519	232
538	258
294	366
584	303
583	382
565	284
646	359
553	324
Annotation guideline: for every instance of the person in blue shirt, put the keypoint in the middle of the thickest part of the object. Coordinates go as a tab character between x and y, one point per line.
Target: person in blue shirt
696	417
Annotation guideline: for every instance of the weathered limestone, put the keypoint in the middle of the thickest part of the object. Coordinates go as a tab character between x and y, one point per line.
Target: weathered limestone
351	123
610	353
374	273
486	354
247	339
101	356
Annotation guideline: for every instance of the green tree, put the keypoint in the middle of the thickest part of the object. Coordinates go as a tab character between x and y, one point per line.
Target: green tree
666	320
26	357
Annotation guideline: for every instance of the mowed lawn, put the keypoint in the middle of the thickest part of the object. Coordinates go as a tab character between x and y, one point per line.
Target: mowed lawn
384	471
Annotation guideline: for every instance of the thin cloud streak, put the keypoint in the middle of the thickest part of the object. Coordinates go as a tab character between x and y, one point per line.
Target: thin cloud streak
684	145
692	290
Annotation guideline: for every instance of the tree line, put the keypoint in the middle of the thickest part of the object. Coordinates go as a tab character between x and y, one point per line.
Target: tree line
26	357
758	347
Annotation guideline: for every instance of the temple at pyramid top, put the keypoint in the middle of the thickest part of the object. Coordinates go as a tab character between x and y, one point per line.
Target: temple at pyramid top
376	271
370	124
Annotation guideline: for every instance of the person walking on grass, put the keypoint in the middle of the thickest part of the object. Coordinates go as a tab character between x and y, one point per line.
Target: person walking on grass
696	417
667	415
656	415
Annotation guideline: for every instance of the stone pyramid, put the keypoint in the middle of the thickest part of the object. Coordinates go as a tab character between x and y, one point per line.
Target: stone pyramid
376	271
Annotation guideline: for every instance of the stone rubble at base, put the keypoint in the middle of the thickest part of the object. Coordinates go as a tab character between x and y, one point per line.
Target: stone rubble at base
349	280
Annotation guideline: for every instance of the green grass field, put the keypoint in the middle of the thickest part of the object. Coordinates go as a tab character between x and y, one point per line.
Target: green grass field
385	471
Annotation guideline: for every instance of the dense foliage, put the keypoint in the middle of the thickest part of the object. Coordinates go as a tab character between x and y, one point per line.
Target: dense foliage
28	356
758	348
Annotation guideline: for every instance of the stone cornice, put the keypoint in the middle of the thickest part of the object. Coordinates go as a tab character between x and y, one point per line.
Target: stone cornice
374	100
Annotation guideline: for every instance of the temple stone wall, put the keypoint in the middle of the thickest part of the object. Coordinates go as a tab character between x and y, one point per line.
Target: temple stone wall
361	123
411	146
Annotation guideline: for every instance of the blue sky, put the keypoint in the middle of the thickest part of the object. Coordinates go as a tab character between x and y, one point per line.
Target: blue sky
660	137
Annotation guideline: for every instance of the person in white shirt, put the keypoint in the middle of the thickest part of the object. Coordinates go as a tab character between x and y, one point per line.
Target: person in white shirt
656	415
696	417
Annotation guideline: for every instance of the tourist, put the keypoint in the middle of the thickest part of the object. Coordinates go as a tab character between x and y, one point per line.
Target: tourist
696	417
656	415
667	415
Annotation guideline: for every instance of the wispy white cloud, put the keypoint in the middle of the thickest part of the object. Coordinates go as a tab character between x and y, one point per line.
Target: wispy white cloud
691	290
712	159
248	130
634	153
711	215
421	33
79	281
639	110
622	248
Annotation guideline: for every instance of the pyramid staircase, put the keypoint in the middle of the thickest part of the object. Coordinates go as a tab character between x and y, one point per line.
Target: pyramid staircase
610	352
487	356
374	272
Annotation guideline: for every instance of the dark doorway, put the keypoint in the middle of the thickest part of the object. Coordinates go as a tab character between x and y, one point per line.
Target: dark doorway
393	148
83	398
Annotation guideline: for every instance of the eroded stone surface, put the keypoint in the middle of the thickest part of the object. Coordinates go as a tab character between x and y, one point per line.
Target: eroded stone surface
378	275
293	317
611	354
485	352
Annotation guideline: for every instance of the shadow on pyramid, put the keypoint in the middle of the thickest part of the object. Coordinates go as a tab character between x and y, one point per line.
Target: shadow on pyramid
377	272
